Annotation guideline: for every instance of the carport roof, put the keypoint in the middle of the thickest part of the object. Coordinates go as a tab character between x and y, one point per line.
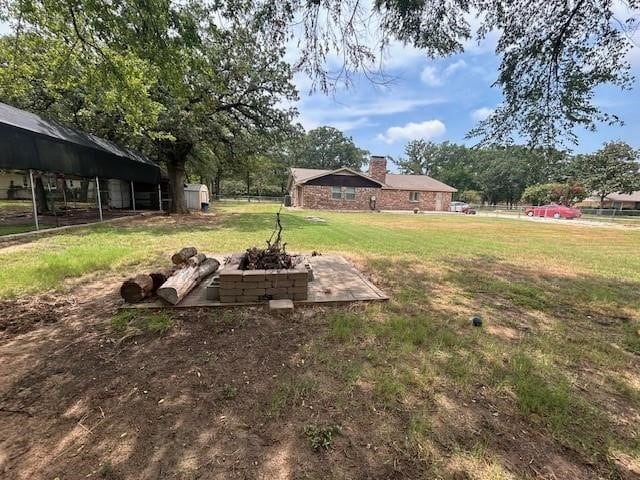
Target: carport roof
32	142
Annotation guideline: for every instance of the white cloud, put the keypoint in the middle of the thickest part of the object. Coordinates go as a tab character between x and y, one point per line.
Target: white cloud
481	113
411	131
349	117
434	78
430	76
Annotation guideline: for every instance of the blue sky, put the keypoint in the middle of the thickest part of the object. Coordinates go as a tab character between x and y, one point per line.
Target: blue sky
443	99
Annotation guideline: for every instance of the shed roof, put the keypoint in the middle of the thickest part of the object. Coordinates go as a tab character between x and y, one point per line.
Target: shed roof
32	142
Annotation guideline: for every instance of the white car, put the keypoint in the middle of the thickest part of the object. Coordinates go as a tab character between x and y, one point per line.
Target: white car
458	206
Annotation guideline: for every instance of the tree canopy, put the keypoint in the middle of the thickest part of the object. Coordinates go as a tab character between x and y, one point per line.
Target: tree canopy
327	148
553	53
612	169
169	78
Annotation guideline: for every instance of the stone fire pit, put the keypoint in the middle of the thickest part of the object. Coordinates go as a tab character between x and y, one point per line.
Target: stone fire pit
233	285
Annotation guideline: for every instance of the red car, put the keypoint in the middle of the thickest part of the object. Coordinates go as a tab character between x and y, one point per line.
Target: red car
553	211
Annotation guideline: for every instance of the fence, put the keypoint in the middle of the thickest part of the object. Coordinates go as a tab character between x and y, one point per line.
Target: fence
593	214
249	198
40	200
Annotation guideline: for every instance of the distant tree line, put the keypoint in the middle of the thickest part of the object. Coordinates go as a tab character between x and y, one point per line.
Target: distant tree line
519	174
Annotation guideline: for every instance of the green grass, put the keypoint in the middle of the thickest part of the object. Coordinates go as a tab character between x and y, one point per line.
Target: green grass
134	321
292	392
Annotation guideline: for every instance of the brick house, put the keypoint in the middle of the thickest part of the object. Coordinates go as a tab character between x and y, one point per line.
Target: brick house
347	189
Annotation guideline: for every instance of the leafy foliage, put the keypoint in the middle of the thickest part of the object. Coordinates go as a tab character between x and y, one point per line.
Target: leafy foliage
612	169
562	193
328	148
321	437
170	78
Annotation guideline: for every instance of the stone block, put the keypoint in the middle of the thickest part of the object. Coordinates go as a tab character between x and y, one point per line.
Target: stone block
281	282
297	290
281	306
297	275
253	291
274	291
300	283
248	298
253	276
227	298
232	274
299	296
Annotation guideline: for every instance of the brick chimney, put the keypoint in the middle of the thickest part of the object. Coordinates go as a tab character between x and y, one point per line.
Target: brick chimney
378	168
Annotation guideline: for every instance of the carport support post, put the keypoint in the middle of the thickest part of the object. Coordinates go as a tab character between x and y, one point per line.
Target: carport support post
159	198
33	198
133	197
99	200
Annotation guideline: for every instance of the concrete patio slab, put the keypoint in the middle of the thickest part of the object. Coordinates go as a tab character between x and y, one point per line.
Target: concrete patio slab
335	281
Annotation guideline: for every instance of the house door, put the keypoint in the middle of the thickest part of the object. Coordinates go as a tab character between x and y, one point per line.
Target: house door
438	201
299	195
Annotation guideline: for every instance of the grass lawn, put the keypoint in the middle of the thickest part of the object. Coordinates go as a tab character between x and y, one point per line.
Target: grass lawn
548	387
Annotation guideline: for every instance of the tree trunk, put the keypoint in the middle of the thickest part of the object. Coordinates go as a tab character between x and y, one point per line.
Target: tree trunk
176	182
216	183
41	196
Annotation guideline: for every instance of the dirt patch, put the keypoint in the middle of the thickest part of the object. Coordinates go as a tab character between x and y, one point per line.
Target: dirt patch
228	394
22	315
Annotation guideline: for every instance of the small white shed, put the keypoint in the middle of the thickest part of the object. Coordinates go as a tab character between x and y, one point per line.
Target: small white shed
195	194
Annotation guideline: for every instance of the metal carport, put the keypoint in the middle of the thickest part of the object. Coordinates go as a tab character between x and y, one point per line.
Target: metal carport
30	142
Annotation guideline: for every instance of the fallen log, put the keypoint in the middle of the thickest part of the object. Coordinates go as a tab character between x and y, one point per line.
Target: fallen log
137	288
185	279
209	266
183	255
179	284
196	259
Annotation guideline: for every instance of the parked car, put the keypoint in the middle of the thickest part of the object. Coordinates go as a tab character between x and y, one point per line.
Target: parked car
553	211
458	206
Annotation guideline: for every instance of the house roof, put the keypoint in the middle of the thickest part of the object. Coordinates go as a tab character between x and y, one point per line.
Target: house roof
416	182
41	144
392	181
618	197
625	197
303	175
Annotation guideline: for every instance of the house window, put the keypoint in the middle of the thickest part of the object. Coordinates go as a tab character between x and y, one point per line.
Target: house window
336	193
414	196
350	193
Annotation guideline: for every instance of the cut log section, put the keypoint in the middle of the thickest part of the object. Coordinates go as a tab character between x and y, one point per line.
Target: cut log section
209	266
184	255
178	285
196	259
185	279
137	288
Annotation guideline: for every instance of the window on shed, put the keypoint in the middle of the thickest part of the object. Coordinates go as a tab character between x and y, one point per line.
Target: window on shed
336	193
414	196
350	193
